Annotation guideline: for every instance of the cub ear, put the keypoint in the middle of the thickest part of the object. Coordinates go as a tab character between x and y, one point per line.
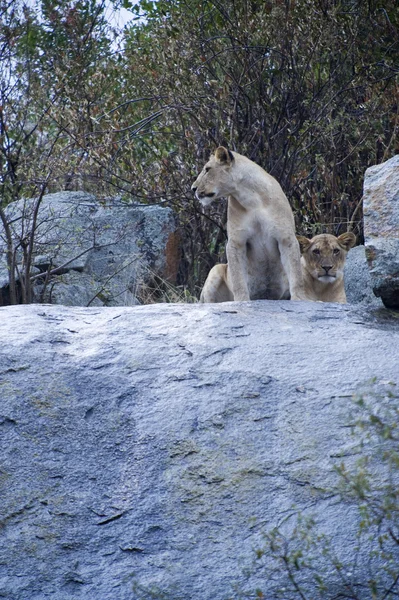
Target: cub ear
347	240
304	243
224	156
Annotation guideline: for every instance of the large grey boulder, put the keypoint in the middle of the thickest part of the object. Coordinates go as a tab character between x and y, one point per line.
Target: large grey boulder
106	251
146	450
381	228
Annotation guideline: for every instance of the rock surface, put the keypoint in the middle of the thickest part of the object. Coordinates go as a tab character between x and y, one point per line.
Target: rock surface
105	251
358	284
145	450
381	228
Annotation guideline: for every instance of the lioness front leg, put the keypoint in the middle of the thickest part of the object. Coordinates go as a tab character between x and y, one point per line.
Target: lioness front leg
291	260
237	271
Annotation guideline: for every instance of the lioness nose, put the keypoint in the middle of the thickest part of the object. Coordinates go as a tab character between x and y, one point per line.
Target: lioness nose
194	188
327	268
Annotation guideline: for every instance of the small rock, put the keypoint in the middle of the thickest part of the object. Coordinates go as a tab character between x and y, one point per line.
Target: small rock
381	229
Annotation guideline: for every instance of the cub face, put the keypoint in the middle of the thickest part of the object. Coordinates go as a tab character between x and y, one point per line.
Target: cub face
324	255
214	181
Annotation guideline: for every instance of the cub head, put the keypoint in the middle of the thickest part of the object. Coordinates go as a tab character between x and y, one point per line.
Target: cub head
214	181
324	255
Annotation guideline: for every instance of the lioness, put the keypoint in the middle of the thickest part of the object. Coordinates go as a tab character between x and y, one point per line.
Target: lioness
263	257
323	260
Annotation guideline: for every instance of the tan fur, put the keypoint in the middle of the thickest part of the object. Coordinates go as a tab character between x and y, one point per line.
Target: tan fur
323	260
263	257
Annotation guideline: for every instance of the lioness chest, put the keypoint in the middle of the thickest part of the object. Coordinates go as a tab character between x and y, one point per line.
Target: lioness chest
266	277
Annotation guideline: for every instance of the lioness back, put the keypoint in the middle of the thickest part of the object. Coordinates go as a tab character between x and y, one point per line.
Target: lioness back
323	260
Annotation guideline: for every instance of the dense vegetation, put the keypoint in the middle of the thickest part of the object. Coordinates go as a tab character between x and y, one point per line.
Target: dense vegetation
306	88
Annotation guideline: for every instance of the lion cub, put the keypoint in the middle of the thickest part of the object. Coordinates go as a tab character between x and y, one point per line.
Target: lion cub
323	260
263	257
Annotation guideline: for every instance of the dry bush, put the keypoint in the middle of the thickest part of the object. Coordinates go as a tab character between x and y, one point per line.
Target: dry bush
307	89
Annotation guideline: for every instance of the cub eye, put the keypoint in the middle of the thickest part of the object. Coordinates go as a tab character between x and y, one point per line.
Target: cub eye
336	250
316	251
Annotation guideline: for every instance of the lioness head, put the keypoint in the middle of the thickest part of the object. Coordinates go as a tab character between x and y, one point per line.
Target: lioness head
324	255
214	181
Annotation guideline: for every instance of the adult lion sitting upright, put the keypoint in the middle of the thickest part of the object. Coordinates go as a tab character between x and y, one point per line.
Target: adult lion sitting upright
263	257
323	261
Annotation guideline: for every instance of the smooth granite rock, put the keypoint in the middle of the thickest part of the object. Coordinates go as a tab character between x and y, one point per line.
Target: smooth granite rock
146	450
381	229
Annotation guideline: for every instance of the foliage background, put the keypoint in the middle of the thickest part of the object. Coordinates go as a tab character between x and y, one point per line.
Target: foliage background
306	88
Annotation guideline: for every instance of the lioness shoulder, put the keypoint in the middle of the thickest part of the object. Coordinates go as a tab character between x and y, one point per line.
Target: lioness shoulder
323	259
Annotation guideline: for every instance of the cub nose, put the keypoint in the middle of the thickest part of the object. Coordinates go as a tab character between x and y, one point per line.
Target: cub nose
193	188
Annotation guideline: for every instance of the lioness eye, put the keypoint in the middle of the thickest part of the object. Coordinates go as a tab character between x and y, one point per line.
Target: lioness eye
207	169
316	251
336	250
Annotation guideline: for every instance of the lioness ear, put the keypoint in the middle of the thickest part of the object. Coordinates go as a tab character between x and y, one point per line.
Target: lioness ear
224	156
304	243
347	240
